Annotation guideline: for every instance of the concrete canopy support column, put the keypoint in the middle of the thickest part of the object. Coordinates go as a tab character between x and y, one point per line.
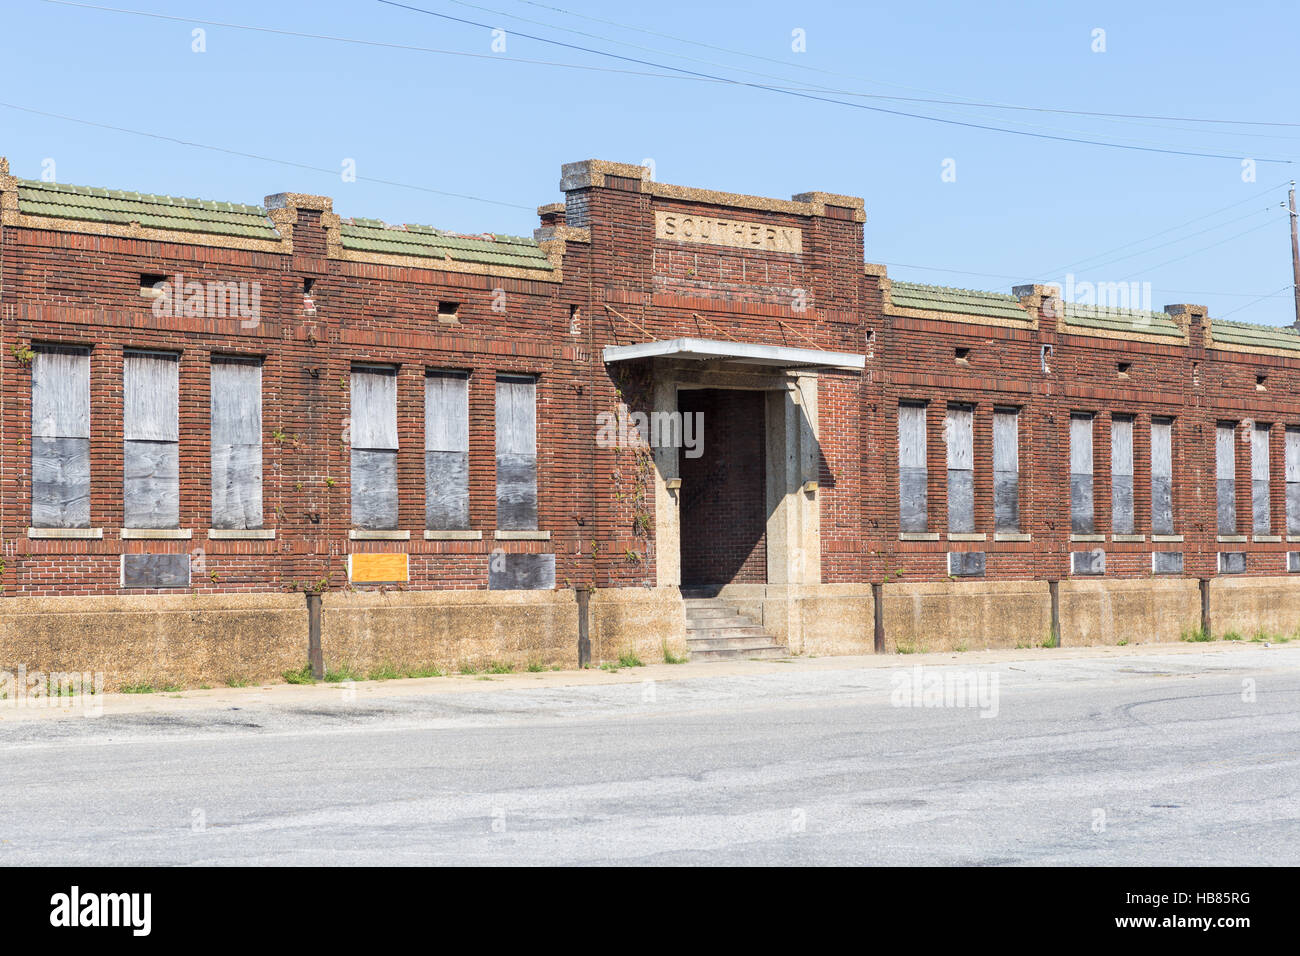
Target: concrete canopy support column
793	523
668	519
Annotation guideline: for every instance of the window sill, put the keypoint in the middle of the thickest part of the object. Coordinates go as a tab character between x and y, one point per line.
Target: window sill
241	534
453	536
1011	536
1087	537
80	533
1267	538
156	534
1166	539
967	536
1231	539
369	535
918	536
1128	538
522	535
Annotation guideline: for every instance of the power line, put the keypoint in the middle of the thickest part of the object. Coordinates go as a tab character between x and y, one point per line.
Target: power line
1172	242
964	101
268	159
678	74
801	94
1156	235
1212	245
1286	288
826	90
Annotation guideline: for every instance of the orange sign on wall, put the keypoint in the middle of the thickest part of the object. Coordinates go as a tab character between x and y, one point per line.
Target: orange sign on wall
377	568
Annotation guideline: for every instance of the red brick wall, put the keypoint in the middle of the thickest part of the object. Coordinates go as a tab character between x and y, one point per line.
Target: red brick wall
597	502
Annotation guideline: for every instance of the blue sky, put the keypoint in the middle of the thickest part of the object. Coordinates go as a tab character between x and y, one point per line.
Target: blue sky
1019	209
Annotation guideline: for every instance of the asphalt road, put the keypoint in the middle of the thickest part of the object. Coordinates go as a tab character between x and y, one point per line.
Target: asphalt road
1153	759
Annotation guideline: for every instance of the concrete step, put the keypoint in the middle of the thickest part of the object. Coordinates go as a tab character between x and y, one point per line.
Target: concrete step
702	603
765	652
713	614
697	634
729	642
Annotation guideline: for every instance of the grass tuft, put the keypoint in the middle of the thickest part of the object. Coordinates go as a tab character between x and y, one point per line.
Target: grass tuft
135	689
629	659
301	676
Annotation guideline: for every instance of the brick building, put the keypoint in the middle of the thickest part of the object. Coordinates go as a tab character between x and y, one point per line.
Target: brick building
208	409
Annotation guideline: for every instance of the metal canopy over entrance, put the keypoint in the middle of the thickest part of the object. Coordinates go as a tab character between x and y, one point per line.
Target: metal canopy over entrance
742	353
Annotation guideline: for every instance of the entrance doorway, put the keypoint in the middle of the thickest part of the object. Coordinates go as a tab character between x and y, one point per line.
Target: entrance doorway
723	493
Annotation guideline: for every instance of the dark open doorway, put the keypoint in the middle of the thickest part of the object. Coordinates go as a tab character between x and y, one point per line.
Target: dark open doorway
723	495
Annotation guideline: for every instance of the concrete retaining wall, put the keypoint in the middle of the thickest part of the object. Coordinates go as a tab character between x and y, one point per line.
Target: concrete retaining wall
1250	606
450	630
195	640
966	615
1141	610
186	640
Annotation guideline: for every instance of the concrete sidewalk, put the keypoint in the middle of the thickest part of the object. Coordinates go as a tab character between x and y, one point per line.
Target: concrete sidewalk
291	695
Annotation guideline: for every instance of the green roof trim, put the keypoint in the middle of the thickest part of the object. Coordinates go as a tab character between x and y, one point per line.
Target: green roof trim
937	298
112	206
426	242
1257	336
1132	321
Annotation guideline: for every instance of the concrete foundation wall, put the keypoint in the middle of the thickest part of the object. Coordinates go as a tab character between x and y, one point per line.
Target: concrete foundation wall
961	615
642	621
1146	611
1250	605
450	630
161	640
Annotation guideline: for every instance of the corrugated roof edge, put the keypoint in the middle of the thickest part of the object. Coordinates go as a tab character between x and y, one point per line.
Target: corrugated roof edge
419	229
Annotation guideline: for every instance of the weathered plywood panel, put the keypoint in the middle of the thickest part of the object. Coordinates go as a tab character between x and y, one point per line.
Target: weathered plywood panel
1167	562
1261	520
516	442
61	482
374	489
966	564
378	568
1232	562
1088	562
446	412
151	484
446	490
1225	472
155	570
912	498
1121	475
521	572
236	486
61	394
1006	470
374	408
517	492
1162	470
236	449
961	501
1081	504
150	395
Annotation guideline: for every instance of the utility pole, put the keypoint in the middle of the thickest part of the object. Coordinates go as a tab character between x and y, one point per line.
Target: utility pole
1295	255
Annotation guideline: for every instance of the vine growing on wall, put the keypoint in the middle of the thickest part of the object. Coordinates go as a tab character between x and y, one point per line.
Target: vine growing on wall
633	473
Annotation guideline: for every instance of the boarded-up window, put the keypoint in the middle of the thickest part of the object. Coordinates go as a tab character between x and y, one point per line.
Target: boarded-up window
912	501
374	448
446	450
1121	475
1225	476
61	438
151	435
516	439
1006	469
236	404
1293	481
1261	521
1081	510
959	438
1162	476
